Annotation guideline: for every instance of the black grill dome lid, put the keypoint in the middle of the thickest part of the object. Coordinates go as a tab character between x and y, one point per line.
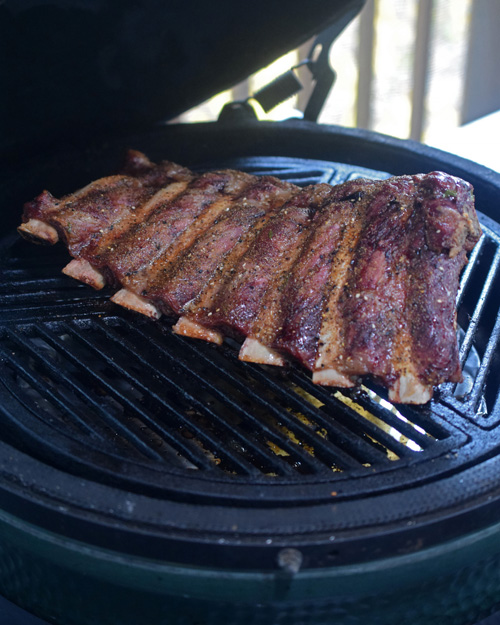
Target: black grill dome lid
68	67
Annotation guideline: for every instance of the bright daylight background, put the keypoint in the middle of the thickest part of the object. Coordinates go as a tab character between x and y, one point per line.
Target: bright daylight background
406	39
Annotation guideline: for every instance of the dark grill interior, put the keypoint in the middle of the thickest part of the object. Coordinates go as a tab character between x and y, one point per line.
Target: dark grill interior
98	391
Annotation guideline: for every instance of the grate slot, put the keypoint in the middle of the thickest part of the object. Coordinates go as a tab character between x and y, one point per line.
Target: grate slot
178	383
22	266
351	418
131	426
33	393
54	373
323	448
418	433
50	297
303	428
39	384
410	421
479	316
51	304
14	286
190	360
297	171
187	447
486	291
350	451
282	420
489	354
265	460
470	267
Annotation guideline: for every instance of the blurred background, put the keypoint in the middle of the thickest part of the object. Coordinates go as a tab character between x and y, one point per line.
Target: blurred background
419	69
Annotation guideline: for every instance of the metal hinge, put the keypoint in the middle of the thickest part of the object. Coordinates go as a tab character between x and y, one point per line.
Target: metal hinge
288	84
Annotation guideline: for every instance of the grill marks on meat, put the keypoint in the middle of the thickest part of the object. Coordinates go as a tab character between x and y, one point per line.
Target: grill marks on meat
169	229
271	254
300	234
363	330
84	218
449	230
354	280
263	205
394	318
314	275
220	245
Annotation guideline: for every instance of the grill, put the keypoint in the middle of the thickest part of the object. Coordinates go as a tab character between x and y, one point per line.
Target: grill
127	439
149	478
110	388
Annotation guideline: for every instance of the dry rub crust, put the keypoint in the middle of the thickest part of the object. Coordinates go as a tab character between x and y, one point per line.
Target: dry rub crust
346	280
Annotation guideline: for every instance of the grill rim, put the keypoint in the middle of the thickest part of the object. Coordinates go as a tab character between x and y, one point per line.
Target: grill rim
108	519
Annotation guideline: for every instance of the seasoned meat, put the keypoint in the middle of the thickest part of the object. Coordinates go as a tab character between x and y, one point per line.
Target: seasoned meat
394	314
91	220
354	280
271	254
90	215
169	229
221	245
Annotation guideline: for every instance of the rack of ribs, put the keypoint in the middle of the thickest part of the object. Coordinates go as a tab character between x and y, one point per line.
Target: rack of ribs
353	280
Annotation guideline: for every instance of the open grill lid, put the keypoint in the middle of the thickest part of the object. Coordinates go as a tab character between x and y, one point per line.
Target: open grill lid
161	443
126	440
74	69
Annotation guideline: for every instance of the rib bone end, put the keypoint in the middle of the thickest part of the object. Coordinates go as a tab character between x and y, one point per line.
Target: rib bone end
188	327
38	231
332	377
409	390
130	300
254	351
82	270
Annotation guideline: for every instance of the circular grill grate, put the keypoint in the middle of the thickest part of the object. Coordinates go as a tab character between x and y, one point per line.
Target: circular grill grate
98	391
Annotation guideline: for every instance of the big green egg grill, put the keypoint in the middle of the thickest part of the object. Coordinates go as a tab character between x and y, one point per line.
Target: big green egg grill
146	477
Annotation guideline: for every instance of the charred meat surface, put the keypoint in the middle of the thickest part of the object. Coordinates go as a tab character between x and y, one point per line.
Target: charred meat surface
261	268
354	280
392	314
237	235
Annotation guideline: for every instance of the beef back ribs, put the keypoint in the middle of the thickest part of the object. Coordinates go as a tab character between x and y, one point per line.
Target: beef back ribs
354	280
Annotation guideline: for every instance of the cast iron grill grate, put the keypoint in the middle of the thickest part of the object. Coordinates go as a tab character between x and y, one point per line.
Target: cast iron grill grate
102	392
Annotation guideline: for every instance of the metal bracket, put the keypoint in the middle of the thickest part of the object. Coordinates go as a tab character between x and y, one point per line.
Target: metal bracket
323	74
288	84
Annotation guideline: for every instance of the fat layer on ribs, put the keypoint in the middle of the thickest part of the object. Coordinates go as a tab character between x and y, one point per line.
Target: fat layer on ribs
359	279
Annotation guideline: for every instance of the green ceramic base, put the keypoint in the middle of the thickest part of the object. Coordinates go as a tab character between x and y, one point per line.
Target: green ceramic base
71	583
